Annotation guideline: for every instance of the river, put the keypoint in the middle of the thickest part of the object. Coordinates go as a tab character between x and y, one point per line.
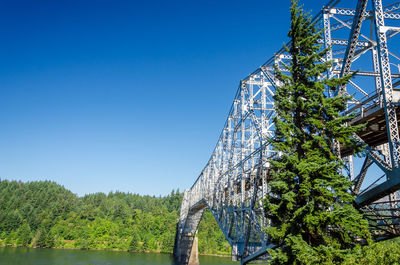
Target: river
32	256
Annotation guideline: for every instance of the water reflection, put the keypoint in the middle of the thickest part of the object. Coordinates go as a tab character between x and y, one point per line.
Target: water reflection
29	256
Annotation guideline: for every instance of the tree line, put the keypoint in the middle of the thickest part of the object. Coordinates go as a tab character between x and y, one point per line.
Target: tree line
45	214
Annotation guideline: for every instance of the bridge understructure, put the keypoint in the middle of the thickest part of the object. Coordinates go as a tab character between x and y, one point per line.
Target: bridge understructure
234	182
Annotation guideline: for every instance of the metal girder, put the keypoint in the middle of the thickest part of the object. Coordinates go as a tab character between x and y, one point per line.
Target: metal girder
359	16
388	12
386	79
235	179
343	42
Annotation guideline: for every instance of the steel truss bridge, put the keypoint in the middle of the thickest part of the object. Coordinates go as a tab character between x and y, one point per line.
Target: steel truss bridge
363	37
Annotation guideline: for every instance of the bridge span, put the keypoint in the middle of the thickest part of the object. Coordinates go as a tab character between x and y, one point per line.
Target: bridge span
235	179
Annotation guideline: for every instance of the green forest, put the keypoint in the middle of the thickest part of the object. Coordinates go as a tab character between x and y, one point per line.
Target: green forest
45	214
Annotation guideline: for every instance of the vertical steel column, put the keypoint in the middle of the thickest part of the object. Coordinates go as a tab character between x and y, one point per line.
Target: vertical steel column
378	81
386	80
242	140
328	39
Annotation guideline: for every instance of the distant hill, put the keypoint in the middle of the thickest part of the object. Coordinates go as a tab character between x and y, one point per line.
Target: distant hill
45	214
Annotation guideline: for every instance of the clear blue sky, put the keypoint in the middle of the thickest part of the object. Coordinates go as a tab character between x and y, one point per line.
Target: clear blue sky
125	95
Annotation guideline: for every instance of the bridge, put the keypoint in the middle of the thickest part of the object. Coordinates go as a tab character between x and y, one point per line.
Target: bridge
235	179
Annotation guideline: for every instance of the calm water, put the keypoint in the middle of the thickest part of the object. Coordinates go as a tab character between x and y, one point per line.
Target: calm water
29	256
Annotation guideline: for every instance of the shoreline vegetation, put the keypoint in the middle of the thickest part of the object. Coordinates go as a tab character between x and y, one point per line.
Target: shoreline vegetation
43	214
113	250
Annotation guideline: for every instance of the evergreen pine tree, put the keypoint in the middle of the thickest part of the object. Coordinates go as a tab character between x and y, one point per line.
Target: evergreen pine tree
46	239
41	242
145	245
49	241
134	245
24	235
309	204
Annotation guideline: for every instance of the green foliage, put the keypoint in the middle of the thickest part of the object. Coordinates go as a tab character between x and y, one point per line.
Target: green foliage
44	214
49	239
42	240
45	239
145	245
134	245
24	235
382	253
211	239
313	220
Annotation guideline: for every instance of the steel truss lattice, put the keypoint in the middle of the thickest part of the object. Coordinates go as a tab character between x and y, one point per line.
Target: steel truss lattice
235	179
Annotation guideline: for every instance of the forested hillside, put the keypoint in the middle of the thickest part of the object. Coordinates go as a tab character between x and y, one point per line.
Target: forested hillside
45	214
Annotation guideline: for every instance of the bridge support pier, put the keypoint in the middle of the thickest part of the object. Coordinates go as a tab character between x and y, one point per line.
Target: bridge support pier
194	254
235	253
186	242
187	251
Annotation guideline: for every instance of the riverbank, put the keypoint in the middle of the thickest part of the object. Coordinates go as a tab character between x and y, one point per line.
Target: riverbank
31	256
2	245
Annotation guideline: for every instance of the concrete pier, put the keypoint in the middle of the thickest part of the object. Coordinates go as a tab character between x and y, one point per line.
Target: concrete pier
186	242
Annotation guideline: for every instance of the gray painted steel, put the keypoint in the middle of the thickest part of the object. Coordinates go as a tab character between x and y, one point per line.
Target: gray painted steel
232	185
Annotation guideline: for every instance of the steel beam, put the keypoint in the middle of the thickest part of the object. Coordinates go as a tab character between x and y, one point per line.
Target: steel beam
235	179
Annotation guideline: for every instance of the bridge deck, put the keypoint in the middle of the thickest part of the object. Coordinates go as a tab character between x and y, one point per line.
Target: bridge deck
375	133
